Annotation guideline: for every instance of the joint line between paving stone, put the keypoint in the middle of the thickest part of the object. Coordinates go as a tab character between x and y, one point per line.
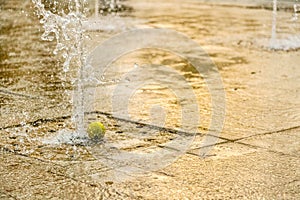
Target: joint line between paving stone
45	161
269	150
36	122
267	133
9	195
8	150
18	94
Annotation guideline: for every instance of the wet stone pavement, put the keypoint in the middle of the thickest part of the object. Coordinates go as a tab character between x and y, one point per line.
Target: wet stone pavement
256	156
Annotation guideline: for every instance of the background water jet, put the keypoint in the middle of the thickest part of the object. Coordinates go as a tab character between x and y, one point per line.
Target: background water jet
292	40
65	25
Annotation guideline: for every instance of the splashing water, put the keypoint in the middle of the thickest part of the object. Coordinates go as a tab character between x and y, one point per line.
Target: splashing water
65	26
292	41
109	5
274	22
296	10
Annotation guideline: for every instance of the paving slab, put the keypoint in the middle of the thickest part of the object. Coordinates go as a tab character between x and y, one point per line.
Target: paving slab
19	172
253	175
287	142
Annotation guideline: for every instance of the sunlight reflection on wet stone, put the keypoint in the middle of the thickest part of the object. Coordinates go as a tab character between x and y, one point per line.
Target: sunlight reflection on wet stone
145	154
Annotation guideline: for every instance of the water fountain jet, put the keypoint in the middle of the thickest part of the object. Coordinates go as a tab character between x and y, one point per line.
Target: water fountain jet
291	42
67	29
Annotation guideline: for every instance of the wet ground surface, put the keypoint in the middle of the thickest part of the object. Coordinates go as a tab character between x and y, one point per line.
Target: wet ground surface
256	156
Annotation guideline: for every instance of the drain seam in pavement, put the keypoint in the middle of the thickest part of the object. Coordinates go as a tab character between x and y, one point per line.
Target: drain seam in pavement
267	133
3	91
49	162
260	147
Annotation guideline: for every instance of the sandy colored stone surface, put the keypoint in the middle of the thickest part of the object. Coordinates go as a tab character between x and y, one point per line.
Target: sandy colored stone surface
273	177
256	156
